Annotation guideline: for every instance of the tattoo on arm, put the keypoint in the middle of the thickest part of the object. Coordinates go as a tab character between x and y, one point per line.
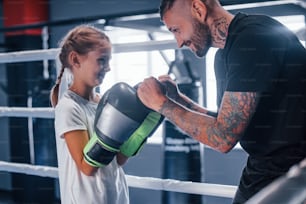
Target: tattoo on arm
167	109
235	113
188	103
188	121
221	133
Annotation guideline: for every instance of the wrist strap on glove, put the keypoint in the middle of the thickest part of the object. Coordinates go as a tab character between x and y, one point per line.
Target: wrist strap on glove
102	153
134	144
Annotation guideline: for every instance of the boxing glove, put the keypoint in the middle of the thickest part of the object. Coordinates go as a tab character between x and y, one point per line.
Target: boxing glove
150	123
136	141
119	114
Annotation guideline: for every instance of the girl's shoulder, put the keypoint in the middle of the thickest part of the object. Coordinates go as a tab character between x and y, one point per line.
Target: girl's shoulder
68	102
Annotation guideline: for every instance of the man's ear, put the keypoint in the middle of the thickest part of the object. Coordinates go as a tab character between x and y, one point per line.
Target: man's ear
74	59
198	10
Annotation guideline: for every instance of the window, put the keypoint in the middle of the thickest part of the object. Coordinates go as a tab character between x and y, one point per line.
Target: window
133	67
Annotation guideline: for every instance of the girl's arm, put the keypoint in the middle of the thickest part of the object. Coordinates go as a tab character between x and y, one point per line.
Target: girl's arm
76	141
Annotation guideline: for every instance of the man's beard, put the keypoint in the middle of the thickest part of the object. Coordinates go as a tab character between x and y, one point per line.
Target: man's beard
201	39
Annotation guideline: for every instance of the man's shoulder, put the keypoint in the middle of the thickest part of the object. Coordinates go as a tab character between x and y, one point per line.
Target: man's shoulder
254	23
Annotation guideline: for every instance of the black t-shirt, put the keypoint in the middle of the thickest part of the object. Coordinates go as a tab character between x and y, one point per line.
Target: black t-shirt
261	55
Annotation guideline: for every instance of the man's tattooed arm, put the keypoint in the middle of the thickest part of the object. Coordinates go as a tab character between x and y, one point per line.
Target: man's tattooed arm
190	104
221	133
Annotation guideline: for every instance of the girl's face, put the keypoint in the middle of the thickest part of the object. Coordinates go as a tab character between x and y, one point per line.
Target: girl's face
94	66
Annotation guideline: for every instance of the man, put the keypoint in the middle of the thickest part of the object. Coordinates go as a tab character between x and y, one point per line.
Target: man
260	70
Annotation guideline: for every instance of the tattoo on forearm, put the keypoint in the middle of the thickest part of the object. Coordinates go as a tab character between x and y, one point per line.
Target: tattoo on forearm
176	114
167	110
235	115
189	105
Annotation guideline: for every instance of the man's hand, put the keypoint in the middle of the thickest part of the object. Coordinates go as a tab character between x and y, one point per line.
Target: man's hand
152	93
171	88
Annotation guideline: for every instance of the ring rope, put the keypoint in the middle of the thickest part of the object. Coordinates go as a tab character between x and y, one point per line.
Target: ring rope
36	170
27	112
52	53
227	191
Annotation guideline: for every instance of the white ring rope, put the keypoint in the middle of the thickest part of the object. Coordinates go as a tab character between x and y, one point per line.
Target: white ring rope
219	190
36	170
51	54
27	112
227	191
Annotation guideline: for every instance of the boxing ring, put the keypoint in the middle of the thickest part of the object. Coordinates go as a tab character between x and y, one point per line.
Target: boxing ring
151	183
208	189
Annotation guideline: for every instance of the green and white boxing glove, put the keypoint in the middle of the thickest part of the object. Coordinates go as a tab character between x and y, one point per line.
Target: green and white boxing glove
118	117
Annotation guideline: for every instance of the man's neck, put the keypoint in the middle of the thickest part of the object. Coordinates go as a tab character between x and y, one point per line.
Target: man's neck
219	28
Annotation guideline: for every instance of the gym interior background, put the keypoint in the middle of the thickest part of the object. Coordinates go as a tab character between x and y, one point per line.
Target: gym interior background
40	24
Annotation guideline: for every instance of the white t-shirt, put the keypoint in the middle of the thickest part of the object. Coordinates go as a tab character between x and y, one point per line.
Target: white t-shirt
108	185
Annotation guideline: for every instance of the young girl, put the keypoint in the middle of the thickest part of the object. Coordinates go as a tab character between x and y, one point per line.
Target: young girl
86	52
